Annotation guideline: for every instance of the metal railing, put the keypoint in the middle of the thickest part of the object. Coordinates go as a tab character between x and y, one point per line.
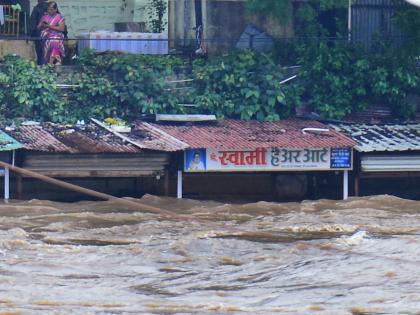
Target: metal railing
285	49
11	21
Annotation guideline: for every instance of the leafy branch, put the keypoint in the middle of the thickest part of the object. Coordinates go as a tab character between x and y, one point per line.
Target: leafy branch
156	10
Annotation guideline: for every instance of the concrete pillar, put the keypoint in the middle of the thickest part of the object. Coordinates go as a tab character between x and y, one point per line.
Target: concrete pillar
6	184
171	23
179	185
345	185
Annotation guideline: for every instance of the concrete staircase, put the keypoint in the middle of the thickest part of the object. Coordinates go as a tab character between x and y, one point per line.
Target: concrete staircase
178	84
63	74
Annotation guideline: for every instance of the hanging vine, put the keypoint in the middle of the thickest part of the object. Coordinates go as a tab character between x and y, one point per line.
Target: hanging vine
156	10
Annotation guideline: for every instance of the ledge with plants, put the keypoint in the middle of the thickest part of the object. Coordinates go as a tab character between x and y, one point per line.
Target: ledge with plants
335	80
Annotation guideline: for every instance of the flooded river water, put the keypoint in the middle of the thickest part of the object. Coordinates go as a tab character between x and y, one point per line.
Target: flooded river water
361	256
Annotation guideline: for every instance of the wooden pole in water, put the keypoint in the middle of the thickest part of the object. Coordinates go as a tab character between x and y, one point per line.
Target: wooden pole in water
93	193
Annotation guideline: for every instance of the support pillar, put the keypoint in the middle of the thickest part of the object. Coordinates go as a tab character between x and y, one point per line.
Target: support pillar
357	185
166	183
349	20
345	185
6	184
179	185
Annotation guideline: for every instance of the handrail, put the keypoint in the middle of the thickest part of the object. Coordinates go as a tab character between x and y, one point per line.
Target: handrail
11	21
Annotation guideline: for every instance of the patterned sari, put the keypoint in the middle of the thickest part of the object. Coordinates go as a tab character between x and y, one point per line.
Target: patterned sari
52	41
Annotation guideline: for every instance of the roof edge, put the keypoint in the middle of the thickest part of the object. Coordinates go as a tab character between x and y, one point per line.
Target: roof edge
163	133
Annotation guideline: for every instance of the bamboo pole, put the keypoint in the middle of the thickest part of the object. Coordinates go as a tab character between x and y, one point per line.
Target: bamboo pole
93	193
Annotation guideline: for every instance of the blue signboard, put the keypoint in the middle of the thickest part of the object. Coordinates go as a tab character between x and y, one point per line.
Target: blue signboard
341	158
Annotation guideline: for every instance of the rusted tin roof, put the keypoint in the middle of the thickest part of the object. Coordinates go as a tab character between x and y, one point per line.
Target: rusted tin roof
152	137
238	134
71	139
388	137
172	137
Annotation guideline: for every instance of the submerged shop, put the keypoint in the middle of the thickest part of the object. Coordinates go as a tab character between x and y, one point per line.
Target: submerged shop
226	159
295	161
283	160
262	159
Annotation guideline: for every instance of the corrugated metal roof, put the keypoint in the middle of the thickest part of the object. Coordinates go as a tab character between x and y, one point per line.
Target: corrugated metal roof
372	17
153	138
175	136
7	143
96	165
389	137
71	139
239	134
382	163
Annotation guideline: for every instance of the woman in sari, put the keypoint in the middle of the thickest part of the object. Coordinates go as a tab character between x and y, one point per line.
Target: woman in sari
52	27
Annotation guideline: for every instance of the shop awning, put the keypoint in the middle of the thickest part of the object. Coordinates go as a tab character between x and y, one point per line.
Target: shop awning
386	163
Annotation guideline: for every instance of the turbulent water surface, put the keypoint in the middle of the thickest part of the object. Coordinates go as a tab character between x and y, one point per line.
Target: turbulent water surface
361	256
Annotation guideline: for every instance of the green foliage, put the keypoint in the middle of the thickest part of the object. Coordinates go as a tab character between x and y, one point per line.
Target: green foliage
241	85
407	16
156	10
95	96
29	91
331	4
335	79
126	86
394	77
307	21
339	79
279	9
131	84
307	14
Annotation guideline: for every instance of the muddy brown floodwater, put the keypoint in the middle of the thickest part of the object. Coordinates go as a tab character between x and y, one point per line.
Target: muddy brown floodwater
361	256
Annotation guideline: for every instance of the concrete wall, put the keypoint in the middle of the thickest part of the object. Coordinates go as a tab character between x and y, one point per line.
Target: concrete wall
181	22
20	47
223	21
84	16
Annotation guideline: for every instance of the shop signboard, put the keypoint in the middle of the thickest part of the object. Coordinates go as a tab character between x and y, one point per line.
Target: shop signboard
263	159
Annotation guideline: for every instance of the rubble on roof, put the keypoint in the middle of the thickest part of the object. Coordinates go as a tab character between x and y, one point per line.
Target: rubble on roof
89	138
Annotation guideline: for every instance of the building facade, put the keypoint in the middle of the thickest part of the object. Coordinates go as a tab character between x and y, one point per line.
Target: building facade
88	16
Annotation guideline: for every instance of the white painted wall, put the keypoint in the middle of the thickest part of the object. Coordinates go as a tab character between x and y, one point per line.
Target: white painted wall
83	16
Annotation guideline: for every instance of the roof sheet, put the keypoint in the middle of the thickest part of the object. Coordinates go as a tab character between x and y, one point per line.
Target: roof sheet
70	139
7	143
388	137
238	134
172	136
153	138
